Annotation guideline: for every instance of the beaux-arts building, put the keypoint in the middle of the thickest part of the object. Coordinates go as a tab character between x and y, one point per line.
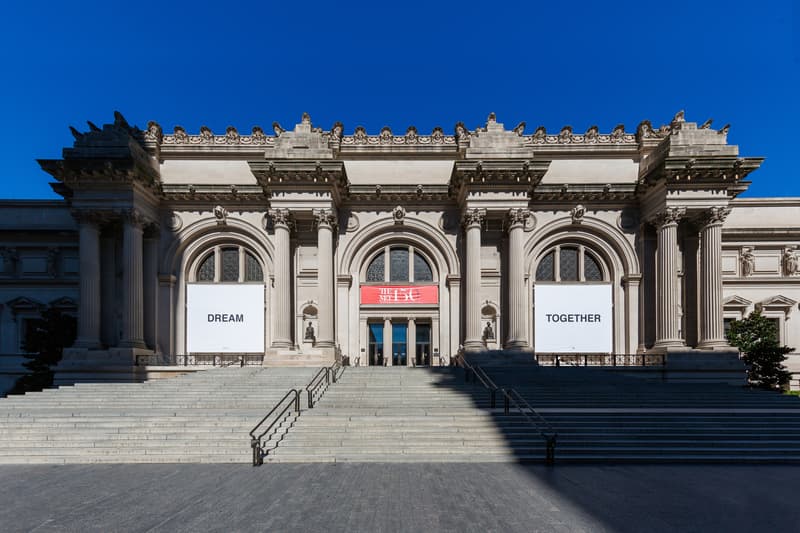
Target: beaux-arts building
305	245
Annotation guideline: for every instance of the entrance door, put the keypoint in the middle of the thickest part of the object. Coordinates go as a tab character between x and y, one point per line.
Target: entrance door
376	344
423	345
399	344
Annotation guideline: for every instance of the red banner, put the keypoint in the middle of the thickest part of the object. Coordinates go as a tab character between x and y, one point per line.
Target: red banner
399	294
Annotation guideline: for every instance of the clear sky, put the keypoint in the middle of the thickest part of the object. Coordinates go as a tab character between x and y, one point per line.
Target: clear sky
398	63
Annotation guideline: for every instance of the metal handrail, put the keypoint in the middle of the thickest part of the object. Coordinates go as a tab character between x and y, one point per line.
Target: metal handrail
255	440
317	382
550	436
478	372
602	359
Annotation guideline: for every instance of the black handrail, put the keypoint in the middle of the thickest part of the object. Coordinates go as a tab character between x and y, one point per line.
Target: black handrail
316	383
478	372
550	435
255	440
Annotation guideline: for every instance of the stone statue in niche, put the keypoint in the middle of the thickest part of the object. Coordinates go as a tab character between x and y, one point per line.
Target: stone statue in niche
748	261
488	332
309	336
791	263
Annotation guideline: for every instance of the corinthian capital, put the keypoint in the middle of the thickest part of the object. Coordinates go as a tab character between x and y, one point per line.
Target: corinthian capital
714	215
669	216
517	217
281	217
324	218
473	217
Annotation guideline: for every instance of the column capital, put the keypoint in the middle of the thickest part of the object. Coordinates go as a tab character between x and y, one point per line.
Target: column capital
281	217
668	217
92	217
516	217
133	217
473	217
713	216
324	218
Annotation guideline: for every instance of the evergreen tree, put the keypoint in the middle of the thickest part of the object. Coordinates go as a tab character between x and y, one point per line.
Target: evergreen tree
757	339
45	344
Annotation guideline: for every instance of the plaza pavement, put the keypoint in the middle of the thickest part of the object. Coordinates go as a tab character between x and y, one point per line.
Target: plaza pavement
400	497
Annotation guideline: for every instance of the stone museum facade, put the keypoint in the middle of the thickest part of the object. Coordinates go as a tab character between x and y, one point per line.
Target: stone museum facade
307	245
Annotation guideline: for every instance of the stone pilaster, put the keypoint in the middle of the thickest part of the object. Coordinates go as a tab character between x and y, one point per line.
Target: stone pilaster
411	342
282	313
516	280
473	218
326	222
387	341
89	308
667	296
712	331
132	277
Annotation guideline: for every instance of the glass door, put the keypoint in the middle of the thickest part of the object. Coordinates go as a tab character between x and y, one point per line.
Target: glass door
376	344
399	344
423	345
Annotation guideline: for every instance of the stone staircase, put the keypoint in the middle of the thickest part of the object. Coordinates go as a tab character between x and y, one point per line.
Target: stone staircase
603	416
400	414
203	417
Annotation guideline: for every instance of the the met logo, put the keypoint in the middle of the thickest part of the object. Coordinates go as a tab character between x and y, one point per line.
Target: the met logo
399	294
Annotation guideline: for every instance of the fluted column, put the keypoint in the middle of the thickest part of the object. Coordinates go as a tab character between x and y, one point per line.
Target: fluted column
108	289
282	313
712	331
516	280
150	284
472	224
89	309
667	296
132	275
326	221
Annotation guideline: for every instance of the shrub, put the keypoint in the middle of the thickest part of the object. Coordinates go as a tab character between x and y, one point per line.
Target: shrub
757	339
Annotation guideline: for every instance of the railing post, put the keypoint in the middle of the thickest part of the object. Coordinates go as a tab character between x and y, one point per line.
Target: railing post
506	402
297	400
310	399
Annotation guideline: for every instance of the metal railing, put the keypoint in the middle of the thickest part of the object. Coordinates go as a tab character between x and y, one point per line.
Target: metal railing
224	359
511	396
321	381
256	442
601	359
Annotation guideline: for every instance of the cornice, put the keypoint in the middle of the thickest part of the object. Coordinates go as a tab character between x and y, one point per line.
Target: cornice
625	192
236	194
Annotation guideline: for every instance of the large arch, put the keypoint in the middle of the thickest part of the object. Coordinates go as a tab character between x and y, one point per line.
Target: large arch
189	243
433	244
618	254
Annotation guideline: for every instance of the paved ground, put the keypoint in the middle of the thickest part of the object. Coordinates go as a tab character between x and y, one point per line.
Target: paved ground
402	497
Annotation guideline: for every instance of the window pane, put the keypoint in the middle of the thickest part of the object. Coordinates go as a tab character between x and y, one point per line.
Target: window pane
375	269
206	270
422	270
776	328
376	333
398	264
423	333
252	268
545	271
230	264
591	268
569	264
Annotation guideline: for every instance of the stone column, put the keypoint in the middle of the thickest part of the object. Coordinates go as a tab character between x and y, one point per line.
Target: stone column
150	284
387	341
712	330
108	281
282	313
667	300
89	309
472	224
411	342
132	290
326	222
516	280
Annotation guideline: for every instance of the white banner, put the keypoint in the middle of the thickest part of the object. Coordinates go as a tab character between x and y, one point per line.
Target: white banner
225	318
573	318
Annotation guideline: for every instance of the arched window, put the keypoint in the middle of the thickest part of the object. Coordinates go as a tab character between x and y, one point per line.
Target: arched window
229	264
571	263
405	264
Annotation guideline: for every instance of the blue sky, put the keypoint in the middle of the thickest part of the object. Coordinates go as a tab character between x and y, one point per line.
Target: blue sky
398	63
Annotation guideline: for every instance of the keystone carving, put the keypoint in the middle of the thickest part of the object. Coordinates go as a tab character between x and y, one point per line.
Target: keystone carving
399	214
577	214
221	214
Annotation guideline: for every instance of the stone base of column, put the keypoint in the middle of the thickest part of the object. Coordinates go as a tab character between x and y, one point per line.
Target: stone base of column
715	344
325	344
668	344
291	357
474	346
86	344
281	345
135	344
517	346
113	365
